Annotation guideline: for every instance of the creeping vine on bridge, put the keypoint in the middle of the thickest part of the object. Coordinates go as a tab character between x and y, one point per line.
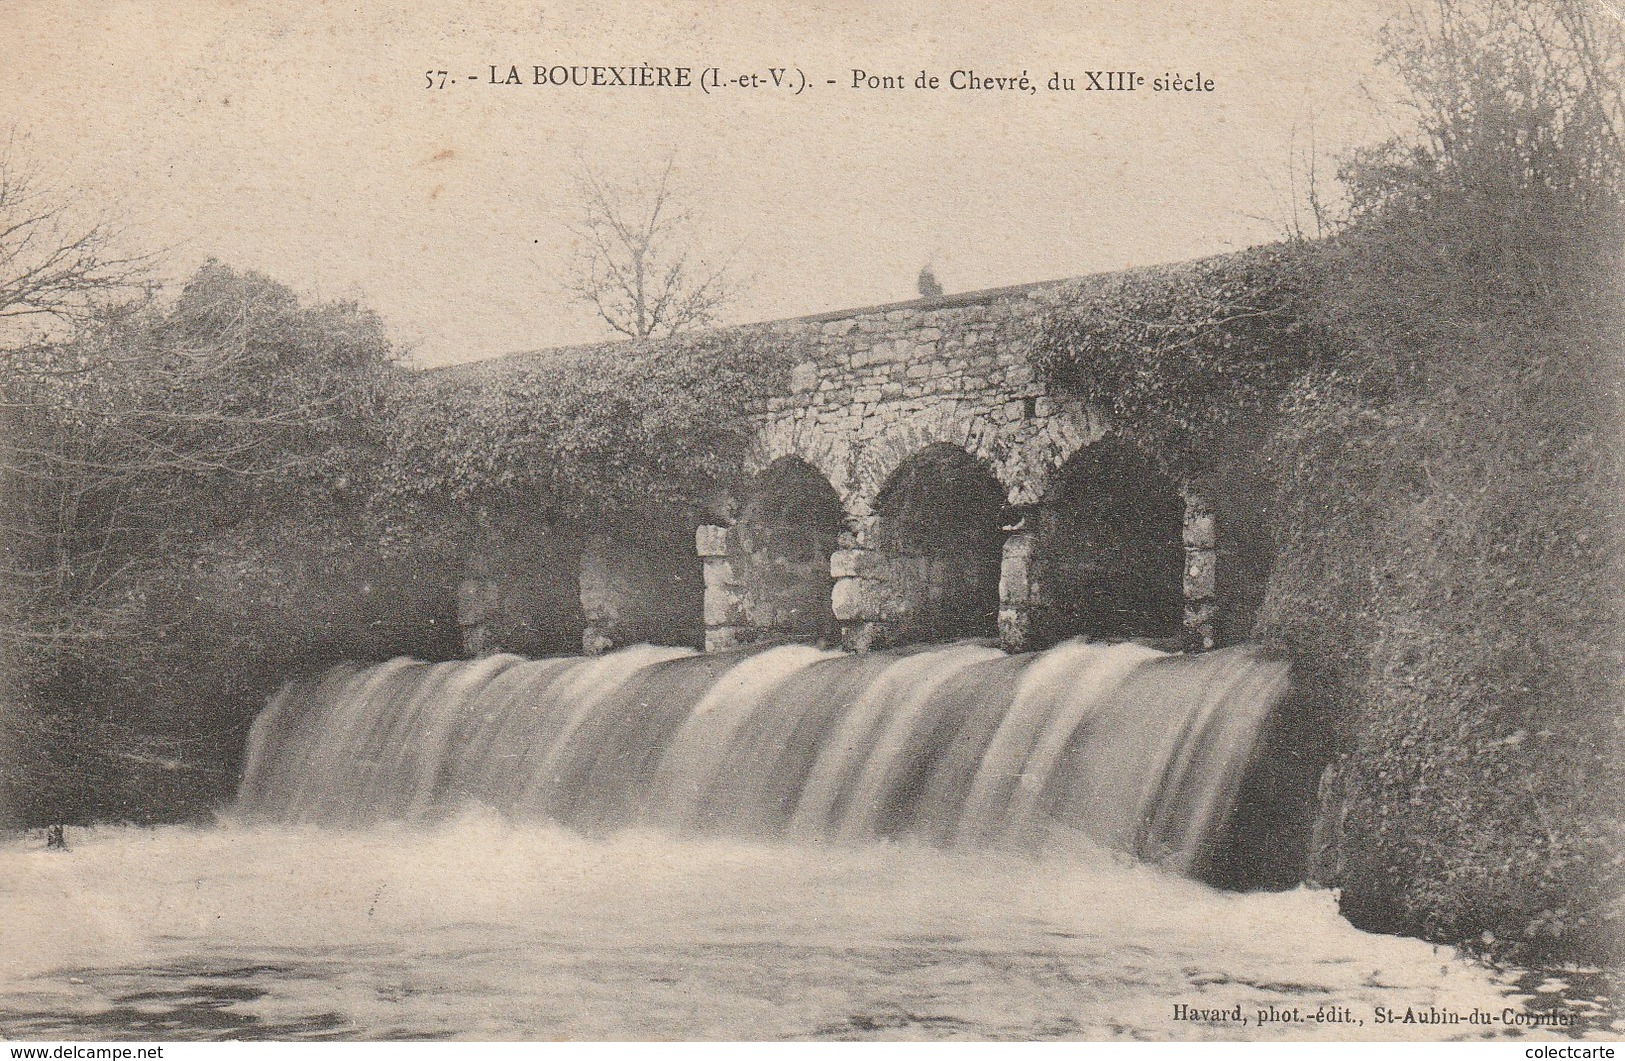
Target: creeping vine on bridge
1176	357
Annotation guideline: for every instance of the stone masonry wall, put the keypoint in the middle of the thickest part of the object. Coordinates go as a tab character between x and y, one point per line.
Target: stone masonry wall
877	387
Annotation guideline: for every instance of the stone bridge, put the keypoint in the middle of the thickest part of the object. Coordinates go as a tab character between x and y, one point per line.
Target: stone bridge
920	483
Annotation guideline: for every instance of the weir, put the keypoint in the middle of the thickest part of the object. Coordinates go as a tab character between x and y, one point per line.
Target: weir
1120	746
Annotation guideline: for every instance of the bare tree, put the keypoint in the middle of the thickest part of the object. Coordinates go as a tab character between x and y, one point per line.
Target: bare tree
55	268
52	265
637	257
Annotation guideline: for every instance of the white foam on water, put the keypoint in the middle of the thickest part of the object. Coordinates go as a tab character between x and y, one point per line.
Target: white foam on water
482	929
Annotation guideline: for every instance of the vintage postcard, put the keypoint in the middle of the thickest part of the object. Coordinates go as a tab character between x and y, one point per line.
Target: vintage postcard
743	521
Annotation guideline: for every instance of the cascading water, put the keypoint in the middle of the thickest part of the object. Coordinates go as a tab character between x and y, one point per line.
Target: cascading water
1121	745
656	844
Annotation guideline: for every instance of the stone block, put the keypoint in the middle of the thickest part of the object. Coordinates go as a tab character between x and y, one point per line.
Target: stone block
595	641
1200	573
710	541
718	638
863	636
851	562
478	641
1015	629
1198	613
853	599
1200	532
718	572
1016	583
804	377
1200	622
723	607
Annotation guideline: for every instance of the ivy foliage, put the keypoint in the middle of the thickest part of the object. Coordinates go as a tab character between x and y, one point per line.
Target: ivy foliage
1174	357
1450	568
591	432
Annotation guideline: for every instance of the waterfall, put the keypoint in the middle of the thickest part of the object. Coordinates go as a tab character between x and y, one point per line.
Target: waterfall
1120	746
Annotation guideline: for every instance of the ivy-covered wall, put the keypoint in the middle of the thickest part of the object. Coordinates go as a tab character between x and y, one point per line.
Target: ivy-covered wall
686	431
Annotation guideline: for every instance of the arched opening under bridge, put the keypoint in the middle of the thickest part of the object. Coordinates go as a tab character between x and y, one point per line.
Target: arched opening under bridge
780	550
938	538
1109	550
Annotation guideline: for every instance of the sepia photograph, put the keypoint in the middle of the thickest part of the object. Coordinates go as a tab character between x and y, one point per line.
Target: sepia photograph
730	521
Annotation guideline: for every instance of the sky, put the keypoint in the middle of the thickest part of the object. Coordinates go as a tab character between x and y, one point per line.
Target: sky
298	138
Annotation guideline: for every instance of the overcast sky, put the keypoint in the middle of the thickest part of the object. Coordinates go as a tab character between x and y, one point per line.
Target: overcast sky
296	137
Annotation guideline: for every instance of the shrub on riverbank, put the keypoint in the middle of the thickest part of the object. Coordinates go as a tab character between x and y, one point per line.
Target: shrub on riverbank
1450	568
1448	580
1438	393
186	484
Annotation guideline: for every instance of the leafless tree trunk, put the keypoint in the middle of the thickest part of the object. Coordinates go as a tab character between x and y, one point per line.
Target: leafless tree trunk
55	268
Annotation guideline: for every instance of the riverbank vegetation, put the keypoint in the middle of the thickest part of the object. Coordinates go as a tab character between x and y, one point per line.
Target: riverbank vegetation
1443	388
208	492
184	480
1450	561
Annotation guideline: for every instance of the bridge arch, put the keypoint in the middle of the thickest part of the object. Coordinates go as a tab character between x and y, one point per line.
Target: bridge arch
827	452
767	575
790	523
1021	452
1109	548
900	440
1038	453
935	547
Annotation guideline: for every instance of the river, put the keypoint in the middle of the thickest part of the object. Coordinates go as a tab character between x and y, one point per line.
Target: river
477	928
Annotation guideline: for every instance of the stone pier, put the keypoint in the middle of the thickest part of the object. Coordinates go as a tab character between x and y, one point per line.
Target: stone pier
1200	582
1021	599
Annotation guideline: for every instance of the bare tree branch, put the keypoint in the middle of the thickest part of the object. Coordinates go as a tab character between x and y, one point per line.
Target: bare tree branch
636	262
53	267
